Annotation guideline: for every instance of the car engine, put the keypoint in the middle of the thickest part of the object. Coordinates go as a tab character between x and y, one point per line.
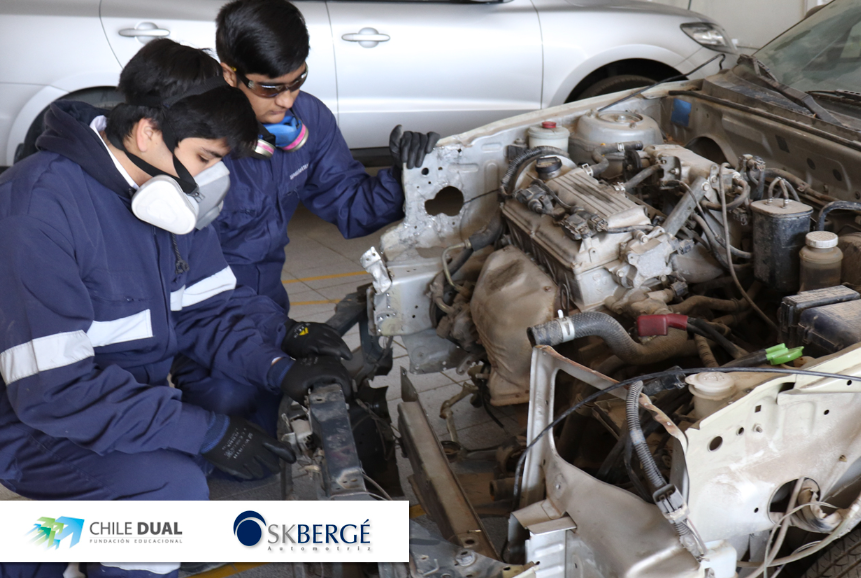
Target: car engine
670	285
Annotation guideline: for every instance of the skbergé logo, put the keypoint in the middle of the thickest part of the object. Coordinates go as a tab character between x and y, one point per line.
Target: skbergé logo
247	529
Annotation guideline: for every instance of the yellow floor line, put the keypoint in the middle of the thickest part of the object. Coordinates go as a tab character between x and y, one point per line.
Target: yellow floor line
321	277
230	570
417	511
324	302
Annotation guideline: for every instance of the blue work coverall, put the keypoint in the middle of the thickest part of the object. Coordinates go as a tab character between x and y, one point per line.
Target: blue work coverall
93	309
252	227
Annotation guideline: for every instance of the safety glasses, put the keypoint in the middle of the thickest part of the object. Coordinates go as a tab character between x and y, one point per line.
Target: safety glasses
272	90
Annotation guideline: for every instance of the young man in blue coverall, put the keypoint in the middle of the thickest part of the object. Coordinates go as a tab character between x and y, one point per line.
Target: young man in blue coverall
262	45
97	296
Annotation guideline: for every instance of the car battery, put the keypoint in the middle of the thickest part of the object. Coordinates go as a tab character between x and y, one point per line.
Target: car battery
794	306
830	328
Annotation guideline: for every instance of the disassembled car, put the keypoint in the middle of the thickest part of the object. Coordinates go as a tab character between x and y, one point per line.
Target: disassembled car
697	243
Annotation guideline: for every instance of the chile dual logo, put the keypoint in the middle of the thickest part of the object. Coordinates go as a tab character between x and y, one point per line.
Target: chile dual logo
248	528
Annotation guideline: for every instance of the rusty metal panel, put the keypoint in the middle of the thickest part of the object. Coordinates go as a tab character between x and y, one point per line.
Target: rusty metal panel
439	491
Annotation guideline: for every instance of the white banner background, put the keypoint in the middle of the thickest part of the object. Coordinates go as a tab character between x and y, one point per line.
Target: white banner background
207	531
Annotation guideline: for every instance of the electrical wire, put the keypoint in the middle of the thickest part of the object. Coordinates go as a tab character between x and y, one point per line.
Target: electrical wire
729	254
761	565
378	486
518	472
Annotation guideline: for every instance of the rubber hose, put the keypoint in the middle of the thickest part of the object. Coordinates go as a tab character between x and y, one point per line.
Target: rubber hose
707	356
796	182
638	179
478	241
599	154
459	261
691	303
734	350
715	248
593	323
745	194
720	242
836	205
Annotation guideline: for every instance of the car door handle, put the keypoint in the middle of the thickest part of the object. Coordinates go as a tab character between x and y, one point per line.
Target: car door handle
144	32
366	37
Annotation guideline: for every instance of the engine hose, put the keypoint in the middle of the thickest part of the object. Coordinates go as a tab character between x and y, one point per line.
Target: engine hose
710	233
835	206
519	161
599	155
476	242
712	333
691	303
707	356
593	323
638	179
739	200
715	248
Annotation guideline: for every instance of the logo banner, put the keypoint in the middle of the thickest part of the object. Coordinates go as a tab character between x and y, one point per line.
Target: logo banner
217	531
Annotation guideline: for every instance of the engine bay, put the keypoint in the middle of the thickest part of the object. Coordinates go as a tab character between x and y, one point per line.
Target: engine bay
675	241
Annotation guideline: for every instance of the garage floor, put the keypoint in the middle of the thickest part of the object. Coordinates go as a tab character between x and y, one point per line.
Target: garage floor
321	268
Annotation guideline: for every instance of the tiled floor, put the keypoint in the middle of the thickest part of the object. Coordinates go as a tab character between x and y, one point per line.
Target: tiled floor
321	268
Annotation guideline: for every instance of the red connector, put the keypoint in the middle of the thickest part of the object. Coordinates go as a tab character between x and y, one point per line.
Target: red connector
649	325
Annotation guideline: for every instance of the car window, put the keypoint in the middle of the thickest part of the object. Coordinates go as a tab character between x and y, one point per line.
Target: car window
822	52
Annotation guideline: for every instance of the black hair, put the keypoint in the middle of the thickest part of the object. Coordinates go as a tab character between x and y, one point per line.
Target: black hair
267	37
163	69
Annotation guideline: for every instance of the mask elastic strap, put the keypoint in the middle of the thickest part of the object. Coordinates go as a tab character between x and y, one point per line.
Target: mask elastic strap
185	180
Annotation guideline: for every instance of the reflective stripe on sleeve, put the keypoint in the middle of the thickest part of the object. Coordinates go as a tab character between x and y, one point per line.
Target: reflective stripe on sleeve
160	568
137	326
44	353
222	281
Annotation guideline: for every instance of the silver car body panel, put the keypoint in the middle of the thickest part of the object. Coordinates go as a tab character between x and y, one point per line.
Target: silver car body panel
466	63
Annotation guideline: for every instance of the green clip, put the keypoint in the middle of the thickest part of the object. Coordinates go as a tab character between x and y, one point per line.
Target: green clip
779	354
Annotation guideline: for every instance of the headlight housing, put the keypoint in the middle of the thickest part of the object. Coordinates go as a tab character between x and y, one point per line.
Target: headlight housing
709	35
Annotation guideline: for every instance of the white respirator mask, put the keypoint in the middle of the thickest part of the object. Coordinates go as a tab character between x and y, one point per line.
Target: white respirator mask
179	204
163	203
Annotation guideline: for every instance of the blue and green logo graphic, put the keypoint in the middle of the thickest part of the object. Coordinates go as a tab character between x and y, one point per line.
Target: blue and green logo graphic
248	527
51	531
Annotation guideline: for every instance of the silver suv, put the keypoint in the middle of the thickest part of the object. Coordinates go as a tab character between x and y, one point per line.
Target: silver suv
447	66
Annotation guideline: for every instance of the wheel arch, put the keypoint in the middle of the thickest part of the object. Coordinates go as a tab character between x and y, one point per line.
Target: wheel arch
32	112
653	69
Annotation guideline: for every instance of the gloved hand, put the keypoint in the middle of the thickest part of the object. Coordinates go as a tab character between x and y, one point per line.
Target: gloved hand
410	148
307	339
307	372
243	449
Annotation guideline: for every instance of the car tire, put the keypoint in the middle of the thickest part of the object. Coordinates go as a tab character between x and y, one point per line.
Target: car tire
842	558
615	84
105	98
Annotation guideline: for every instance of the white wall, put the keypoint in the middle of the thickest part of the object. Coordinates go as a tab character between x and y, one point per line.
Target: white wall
750	23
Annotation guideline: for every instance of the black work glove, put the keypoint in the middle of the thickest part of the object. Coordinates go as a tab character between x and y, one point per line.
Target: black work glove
410	148
307	339
308	372
246	451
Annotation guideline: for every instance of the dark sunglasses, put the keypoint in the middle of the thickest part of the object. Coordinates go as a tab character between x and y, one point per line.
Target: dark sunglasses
272	90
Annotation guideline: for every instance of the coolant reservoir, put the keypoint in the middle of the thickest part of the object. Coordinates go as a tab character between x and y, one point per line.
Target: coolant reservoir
711	391
821	261
548	135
